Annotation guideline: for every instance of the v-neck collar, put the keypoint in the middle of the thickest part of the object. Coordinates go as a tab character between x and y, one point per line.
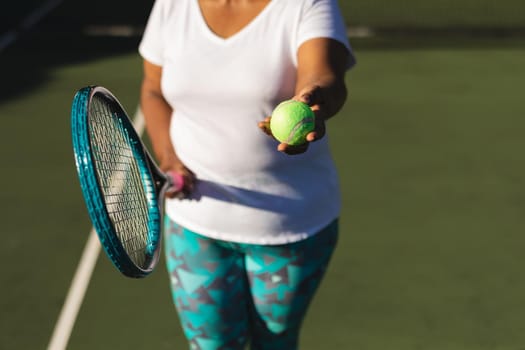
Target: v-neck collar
241	32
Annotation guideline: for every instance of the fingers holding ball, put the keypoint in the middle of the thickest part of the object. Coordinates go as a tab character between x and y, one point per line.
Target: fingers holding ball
291	122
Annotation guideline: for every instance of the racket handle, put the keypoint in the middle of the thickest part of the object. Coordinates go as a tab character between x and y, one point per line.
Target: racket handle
175	181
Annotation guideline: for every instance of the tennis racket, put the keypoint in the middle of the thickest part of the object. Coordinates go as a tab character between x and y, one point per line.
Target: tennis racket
122	186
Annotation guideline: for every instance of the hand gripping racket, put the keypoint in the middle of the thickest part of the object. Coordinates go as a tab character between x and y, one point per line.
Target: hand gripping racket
122	186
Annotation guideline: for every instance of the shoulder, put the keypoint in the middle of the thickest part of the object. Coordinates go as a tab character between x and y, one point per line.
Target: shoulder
305	8
308	4
167	7
301	8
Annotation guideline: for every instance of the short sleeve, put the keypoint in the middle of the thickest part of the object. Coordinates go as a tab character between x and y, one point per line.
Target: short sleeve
151	44
323	19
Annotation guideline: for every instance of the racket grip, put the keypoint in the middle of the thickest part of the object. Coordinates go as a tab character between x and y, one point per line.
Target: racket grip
175	181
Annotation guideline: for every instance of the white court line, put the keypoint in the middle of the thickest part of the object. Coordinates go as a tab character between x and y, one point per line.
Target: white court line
80	282
27	23
76	293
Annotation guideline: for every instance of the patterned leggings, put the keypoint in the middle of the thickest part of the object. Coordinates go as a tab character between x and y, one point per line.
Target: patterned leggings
229	294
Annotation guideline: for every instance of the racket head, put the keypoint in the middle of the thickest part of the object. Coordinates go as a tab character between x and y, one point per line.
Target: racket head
121	185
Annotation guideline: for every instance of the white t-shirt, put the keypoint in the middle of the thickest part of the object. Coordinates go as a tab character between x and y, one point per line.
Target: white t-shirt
220	89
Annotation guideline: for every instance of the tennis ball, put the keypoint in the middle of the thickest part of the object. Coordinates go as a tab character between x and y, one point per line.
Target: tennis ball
291	121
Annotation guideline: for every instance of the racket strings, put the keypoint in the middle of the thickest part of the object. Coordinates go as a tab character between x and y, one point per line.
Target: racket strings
119	177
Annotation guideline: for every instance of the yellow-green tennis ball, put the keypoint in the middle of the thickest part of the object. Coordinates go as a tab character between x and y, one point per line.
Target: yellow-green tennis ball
291	121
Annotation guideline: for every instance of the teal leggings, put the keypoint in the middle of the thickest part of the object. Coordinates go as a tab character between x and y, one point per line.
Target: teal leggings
229	294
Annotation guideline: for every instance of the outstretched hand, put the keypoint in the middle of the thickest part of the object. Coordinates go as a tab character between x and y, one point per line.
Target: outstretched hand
312	97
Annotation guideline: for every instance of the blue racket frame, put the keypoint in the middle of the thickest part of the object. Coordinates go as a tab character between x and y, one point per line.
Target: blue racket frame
153	180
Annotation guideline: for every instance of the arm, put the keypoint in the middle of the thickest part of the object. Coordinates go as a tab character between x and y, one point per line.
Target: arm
157	115
322	64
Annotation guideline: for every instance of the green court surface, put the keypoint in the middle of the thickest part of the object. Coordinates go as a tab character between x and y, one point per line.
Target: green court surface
467	14
430	152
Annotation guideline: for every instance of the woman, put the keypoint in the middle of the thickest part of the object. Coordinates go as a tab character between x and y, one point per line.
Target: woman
248	243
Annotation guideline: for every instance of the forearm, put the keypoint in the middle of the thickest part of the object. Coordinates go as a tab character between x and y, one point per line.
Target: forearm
322	64
157	115
328	92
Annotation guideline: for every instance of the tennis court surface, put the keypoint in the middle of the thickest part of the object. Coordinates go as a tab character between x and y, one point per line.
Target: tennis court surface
430	151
